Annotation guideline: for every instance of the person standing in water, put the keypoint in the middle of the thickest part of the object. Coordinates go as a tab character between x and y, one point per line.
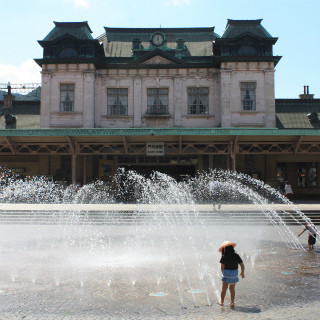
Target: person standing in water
215	188
312	235
230	261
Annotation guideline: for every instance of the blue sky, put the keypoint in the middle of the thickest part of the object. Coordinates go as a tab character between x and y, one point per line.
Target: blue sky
296	23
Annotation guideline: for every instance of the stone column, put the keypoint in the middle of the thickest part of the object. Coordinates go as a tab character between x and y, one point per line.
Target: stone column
84	178
74	168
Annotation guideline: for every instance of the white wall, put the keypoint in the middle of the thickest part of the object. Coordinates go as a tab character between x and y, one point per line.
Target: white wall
90	107
232	74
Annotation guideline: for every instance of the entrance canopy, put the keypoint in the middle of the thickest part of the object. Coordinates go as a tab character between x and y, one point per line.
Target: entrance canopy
182	141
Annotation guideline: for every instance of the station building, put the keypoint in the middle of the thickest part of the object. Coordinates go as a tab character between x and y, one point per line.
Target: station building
175	100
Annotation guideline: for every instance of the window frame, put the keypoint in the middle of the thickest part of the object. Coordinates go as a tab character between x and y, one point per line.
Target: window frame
197	106
248	103
117	106
157	107
67	106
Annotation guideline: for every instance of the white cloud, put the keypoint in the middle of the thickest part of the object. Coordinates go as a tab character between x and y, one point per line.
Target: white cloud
178	2
27	72
84	4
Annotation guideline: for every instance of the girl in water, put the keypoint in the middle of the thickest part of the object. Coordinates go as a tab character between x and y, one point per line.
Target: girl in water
230	261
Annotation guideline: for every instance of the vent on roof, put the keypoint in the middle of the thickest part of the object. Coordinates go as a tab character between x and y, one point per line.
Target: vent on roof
306	95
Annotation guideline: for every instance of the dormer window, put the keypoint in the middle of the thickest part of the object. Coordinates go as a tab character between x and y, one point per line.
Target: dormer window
68	53
180	44
247	51
136	44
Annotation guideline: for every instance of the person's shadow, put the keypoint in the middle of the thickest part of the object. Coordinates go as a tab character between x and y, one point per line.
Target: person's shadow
248	309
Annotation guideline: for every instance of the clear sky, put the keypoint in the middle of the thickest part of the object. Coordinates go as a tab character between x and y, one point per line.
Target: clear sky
295	22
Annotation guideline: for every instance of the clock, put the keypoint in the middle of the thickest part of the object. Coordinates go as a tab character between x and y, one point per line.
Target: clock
157	39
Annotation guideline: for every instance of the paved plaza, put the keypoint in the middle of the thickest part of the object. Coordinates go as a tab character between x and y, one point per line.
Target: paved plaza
142	272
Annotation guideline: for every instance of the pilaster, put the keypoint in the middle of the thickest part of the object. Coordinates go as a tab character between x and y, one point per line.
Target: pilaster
45	99
88	119
137	100
225	96
270	98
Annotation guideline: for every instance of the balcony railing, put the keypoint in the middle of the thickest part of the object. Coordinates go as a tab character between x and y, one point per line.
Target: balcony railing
157	110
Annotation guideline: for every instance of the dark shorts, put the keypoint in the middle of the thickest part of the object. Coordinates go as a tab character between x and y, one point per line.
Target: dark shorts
312	239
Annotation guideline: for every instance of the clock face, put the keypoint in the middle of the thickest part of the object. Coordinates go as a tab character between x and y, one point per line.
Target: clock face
157	39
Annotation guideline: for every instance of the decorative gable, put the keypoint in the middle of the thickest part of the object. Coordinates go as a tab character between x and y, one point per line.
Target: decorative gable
157	60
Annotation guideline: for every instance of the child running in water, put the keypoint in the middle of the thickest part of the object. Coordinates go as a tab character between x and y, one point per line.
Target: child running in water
229	267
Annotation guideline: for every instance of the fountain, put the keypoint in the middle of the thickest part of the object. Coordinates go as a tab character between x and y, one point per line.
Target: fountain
147	247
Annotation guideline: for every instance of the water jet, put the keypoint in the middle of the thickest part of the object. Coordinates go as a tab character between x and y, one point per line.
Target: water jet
165	243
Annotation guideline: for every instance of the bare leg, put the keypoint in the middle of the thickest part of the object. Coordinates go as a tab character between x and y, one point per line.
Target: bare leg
223	292
232	294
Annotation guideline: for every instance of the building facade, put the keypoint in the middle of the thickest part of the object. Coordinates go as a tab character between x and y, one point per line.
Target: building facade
176	100
158	77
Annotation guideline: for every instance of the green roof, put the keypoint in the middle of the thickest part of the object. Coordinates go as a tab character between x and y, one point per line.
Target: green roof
293	113
118	41
159	132
236	28
78	30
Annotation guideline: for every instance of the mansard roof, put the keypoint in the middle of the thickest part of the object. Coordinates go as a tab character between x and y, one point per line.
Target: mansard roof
118	41
72	42
78	30
236	28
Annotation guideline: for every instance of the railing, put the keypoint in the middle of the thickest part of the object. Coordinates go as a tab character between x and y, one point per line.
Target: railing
157	110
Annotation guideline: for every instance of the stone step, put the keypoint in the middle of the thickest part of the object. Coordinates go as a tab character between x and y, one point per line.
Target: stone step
147	217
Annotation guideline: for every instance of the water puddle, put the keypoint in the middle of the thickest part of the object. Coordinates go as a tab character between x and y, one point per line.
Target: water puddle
288	272
158	294
196	291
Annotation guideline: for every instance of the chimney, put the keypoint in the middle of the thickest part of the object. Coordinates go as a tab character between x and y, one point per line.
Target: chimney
306	95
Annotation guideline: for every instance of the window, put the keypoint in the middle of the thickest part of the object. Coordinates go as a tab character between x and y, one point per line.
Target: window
68	53
117	101
247	51
248	96
307	174
198	100
281	172
66	97
158	101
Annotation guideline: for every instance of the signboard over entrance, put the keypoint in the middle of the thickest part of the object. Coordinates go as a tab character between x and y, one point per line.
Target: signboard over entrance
155	149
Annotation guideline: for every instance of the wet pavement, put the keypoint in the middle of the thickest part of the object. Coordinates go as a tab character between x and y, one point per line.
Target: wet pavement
114	272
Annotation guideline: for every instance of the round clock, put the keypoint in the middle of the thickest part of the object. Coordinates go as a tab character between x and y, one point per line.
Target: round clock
157	39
